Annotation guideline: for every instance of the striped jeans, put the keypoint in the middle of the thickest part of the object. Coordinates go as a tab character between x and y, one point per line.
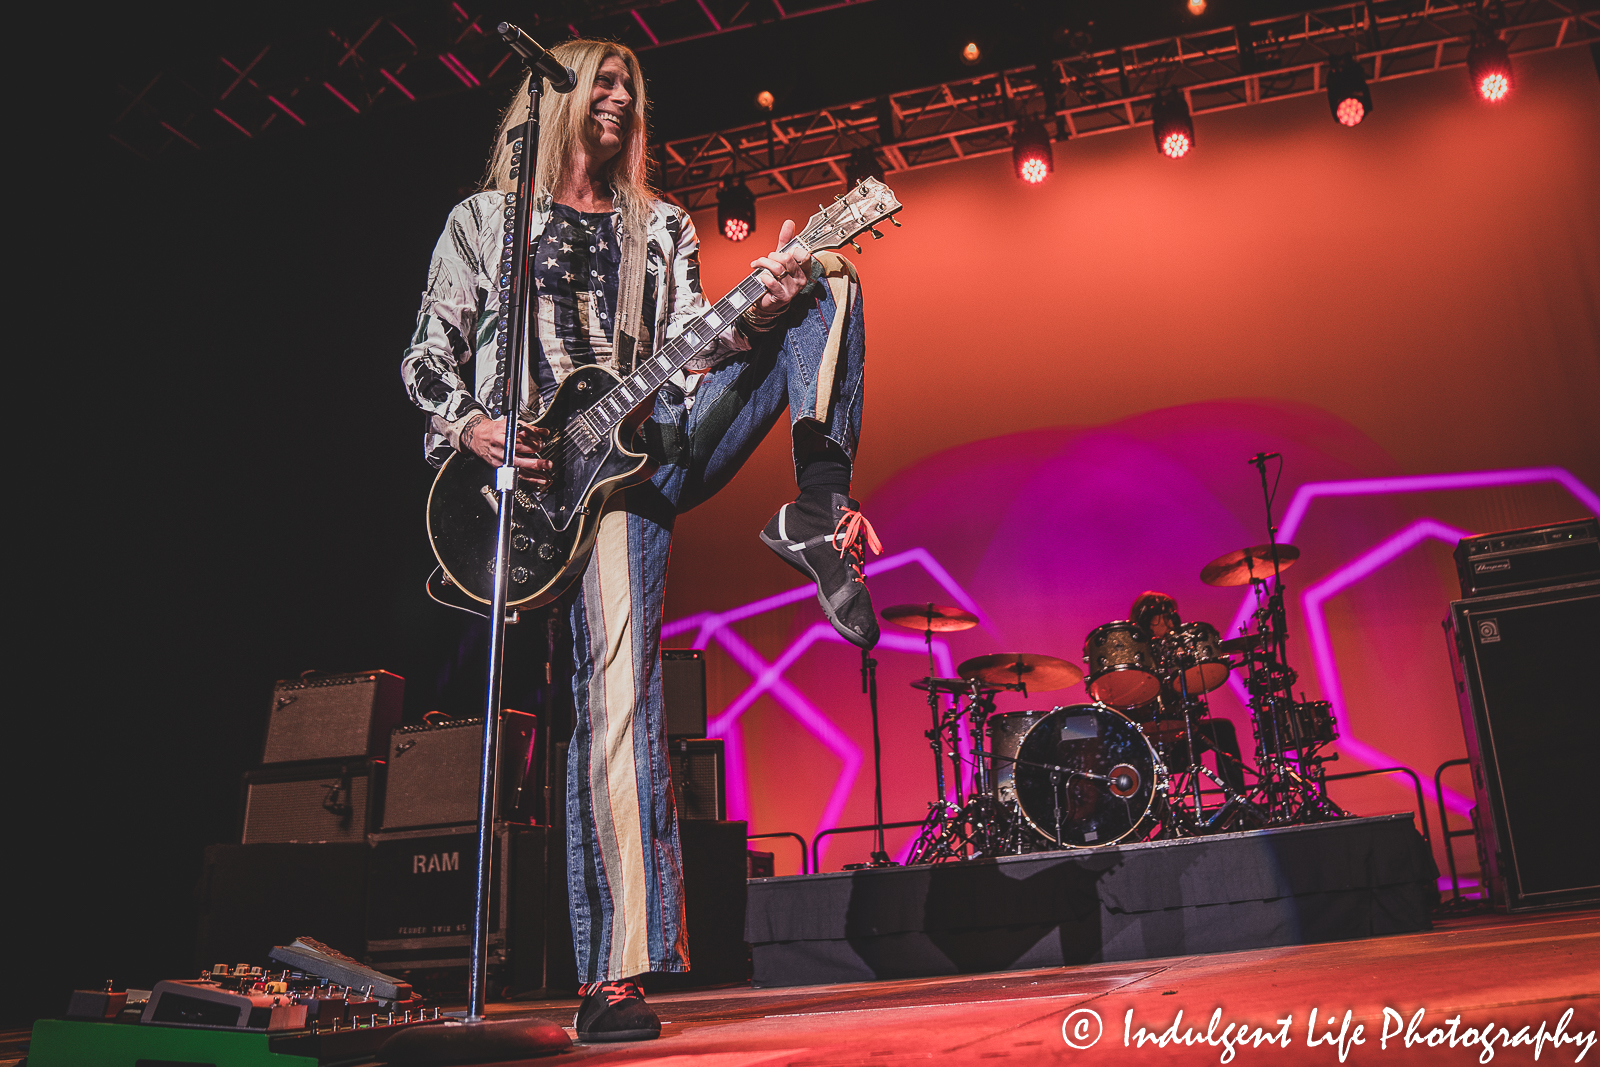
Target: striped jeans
624	870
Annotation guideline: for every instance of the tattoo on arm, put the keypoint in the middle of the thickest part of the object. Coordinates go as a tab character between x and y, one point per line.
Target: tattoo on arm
464	438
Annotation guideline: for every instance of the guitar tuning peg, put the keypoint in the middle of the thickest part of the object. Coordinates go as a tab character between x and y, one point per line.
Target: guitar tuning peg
876	236
894	220
821	208
855	246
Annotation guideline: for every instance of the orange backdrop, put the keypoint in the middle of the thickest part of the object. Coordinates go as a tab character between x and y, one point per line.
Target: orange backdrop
1065	382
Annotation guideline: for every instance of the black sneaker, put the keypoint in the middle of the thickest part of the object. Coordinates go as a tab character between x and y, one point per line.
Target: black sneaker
825	538
615	1011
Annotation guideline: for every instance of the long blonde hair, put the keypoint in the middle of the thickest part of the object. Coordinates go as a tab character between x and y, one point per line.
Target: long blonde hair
561	122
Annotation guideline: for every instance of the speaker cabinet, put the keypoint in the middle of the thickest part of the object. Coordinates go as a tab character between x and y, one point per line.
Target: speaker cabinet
421	893
341	716
699	781
683	691
1524	671
434	772
322	801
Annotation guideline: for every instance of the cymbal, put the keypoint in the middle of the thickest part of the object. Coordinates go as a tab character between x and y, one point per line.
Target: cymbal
1238	645
1236	568
942	685
930	618
1022	668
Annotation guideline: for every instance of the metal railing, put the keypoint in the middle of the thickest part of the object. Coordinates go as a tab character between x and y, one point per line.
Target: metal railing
1422	804
785	833
816	869
1445	832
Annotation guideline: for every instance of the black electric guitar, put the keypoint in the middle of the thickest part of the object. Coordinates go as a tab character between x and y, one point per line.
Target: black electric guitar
594	418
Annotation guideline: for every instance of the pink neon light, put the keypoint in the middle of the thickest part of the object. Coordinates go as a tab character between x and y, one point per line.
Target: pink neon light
403	34
1321	646
179	134
396	83
768	679
645	26
342	97
285	109
459	69
229	120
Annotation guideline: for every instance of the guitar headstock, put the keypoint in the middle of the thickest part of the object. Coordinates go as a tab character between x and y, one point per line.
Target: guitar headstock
851	215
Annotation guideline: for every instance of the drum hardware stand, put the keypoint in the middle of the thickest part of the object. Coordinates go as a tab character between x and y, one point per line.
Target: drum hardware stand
869	686
1294	790
975	821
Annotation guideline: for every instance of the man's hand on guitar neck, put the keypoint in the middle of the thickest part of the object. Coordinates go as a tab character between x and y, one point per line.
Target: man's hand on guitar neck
787	273
486	438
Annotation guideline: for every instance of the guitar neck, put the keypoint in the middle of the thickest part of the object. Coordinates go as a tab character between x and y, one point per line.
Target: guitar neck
652	371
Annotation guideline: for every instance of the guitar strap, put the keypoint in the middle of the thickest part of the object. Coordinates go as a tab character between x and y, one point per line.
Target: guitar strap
630	296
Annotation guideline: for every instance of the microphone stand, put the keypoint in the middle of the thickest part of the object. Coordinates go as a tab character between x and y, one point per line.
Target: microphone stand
475	1039
869	686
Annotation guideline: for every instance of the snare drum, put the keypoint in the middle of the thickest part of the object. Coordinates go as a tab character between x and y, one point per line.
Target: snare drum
1194	650
1122	672
1005	737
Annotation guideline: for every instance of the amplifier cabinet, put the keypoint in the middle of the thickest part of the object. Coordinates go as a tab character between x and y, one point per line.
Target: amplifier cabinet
1534	557
421	892
341	716
683	691
434	772
319	801
699	780
1524	672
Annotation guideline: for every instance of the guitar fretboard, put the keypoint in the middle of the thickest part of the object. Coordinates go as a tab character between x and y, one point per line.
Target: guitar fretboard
653	370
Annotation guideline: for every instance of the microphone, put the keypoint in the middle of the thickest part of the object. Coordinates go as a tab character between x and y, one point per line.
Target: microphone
1262	457
562	79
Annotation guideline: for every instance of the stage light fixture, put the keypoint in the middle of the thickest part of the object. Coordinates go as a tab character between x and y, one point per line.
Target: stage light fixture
765	100
863	163
971	53
1031	153
736	209
1174	129
1348	96
1197	7
1489	64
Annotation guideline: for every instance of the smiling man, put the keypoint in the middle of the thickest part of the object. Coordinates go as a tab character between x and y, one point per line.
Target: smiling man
615	274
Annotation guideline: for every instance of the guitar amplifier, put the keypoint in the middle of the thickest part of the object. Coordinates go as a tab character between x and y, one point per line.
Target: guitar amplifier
683	691
340	716
1558	554
328	800
1523	665
434	772
699	782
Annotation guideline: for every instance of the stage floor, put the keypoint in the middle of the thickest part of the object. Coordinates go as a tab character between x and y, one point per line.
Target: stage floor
1512	971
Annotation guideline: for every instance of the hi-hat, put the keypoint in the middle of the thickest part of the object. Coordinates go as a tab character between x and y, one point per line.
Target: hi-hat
1247	565
930	618
1021	668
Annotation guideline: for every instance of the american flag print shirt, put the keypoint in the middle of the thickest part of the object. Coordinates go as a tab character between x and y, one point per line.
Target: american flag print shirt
450	369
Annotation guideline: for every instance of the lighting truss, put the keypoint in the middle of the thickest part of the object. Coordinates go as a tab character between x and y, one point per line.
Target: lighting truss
1109	90
419	51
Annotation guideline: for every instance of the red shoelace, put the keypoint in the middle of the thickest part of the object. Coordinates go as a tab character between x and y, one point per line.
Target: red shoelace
854	524
615	992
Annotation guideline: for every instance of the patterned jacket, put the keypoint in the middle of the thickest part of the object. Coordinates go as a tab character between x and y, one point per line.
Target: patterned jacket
450	369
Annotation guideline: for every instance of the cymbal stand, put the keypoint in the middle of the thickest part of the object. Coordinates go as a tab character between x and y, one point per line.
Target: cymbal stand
869	686
976	823
1294	789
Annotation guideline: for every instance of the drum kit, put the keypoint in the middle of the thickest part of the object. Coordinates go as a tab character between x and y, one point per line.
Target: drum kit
1127	765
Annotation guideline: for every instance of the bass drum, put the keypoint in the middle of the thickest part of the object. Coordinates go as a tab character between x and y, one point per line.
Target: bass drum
1106	783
